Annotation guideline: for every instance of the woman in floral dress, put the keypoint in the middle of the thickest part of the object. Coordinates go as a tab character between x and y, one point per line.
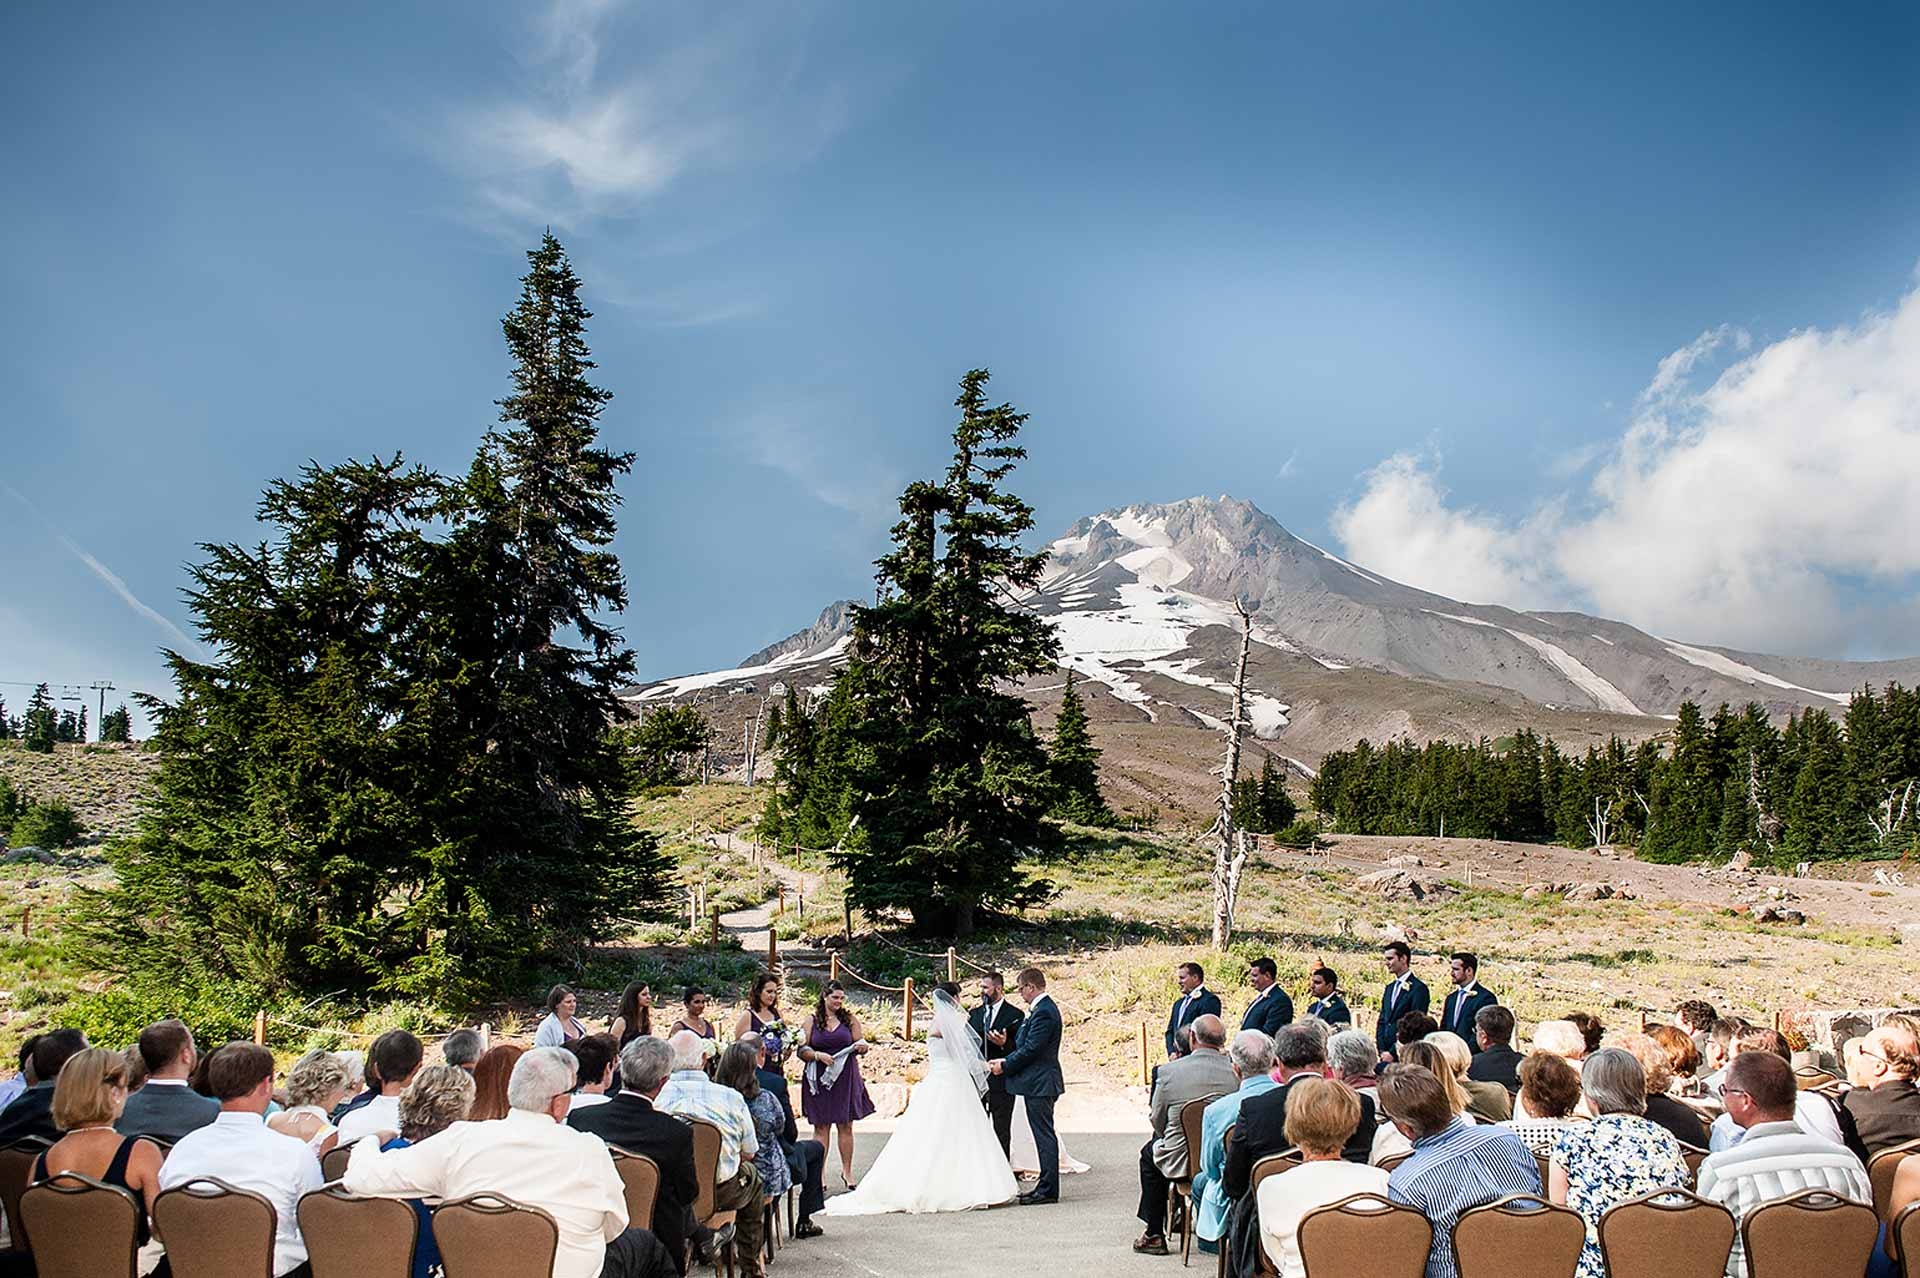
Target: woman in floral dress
1617	1157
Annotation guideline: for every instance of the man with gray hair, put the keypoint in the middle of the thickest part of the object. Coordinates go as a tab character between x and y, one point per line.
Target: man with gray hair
1201	1075
533	1157
1352	1058
689	1094
1252	1058
630	1121
463	1048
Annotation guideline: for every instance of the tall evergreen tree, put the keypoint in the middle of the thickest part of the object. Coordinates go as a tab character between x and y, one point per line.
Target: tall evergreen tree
41	724
1075	764
116	726
951	782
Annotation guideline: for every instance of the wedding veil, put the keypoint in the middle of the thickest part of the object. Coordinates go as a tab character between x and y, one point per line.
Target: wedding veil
957	1039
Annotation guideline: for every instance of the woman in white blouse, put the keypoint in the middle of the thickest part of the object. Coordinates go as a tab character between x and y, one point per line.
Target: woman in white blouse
316	1085
560	1026
1321	1117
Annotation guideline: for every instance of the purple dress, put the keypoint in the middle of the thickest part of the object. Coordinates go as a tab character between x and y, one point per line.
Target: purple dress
847	1099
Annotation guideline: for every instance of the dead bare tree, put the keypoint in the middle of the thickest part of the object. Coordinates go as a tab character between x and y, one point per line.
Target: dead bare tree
1895	810
1230	845
1600	824
1764	821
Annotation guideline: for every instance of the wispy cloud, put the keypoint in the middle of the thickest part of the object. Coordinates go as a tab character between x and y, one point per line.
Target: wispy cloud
849	479
112	579
1289	466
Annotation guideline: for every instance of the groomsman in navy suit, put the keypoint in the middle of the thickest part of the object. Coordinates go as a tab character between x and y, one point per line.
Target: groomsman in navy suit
1324	985
1195	1000
1467	998
1405	993
1271	1008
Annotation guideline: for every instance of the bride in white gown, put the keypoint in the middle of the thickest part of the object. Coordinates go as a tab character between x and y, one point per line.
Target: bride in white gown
942	1155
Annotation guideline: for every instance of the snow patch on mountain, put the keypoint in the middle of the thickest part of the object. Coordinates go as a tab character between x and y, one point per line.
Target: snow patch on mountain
672	689
1578	673
1720	663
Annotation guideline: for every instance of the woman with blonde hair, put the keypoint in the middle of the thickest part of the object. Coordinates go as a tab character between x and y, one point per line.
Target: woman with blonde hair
1656	1062
316	1084
1429	1057
436	1097
1321	1118
1487	1102
87	1099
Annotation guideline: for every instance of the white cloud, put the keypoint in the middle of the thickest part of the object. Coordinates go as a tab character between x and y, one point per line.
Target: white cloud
1771	509
848	478
119	587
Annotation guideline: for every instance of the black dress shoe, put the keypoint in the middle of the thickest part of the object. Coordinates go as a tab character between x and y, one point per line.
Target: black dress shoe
1034	1198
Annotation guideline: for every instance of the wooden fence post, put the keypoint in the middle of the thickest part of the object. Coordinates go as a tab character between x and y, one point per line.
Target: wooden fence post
486	1036
713	935
953	965
833	965
1146	1073
26	919
260	1027
782	908
907	1006
773	949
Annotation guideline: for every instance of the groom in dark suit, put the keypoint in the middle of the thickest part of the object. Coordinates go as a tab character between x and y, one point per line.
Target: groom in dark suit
1032	1070
997	1023
1405	993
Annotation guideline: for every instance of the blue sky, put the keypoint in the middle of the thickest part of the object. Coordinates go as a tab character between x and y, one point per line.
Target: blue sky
1506	302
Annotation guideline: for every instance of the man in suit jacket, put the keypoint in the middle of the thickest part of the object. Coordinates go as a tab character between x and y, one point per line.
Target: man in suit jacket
1327	1004
1032	1070
997	1022
1495	1061
630	1121
31	1113
1405	993
166	1107
1195	1000
1201	1076
1466	999
1271	1008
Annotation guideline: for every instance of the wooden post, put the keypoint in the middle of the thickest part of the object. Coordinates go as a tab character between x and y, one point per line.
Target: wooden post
1776	1022
907	1007
846	906
773	949
26	919
833	966
260	1027
1146	1071
953	965
713	936
781	909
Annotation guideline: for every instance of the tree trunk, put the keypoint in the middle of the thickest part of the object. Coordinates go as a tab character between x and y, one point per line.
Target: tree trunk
1230	849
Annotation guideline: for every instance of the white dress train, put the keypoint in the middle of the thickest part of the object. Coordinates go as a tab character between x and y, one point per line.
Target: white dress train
1025	1156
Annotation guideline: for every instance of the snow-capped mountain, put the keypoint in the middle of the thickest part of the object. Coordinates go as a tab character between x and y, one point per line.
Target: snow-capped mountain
1143	600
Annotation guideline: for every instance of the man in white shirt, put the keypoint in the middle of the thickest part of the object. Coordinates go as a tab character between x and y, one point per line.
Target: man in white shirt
532	1157
391	1063
690	1094
1813	1113
237	1147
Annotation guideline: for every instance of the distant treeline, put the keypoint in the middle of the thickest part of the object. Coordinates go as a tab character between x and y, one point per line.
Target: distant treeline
1712	786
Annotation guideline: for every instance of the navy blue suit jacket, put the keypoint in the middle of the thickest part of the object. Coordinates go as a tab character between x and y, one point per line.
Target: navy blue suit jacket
1414	999
1032	1068
1270	1013
1458	1011
1205	1003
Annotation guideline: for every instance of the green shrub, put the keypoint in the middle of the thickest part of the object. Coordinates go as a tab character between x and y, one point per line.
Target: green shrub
1300	834
114	1017
46	825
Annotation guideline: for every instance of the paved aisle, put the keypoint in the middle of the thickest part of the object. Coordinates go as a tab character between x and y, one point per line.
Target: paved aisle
1089	1232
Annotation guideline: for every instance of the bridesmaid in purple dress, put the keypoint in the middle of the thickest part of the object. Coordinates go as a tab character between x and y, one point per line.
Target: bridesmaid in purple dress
830	1030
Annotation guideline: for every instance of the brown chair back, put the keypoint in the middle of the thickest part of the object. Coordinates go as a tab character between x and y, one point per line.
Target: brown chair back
1903	1240
640	1177
84	1228
1671	1234
349	1236
1487	1238
216	1230
1693	1156
1807	1078
706	1165
1394	1239
16	1165
487	1236
1392	1161
1545	1163
1812	1234
333	1164
1191	1114
1273	1165
1880	1170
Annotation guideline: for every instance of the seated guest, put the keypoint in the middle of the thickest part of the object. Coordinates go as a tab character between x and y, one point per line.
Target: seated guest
490	1076
560	1026
357	1091
1776	1159
806	1159
1411	1028
1488	1102
1591	1031
693	1015
237	1147
1454	1165
1251	1054
533	1157
630	1121
1717	1051
1666	1111
315	1085
1428	1056
32	1113
88	1097
1549	1094
1203	1073
136	1071
1683	1055
1271	1008
391	1061
1351	1059
1883	1104
1815	1114
462	1049
11	1089
689	1094
1322	1117
1495	1061
1618	1156
1695	1018
593	1056
165	1106
1562	1039
436	1099
1328	1004
1467	997
739	1069
1348	1064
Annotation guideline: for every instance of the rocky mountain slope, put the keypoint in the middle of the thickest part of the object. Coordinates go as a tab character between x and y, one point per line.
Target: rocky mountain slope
1143	600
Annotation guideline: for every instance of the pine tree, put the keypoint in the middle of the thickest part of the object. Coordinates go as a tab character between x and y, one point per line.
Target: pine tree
116	726
1274	805
950	781
41	722
1075	765
80	729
